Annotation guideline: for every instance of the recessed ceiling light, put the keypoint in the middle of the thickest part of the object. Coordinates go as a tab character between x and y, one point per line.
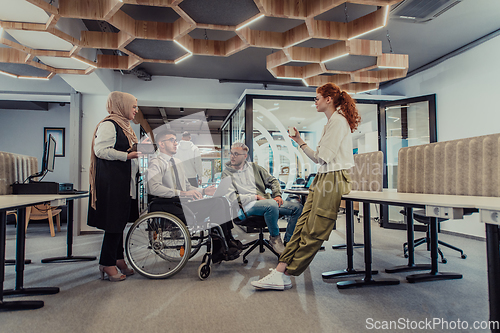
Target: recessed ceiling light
276	104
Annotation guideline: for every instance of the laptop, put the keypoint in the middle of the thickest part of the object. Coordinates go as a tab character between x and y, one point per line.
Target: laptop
307	183
309	180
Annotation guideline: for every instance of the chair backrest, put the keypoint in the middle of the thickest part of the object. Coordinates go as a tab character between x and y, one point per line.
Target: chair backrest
459	167
15	168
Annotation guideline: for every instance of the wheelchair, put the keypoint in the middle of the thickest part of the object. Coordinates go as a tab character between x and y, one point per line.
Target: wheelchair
158	245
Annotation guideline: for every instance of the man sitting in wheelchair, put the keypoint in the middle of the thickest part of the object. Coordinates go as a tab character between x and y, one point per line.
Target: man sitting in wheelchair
170	191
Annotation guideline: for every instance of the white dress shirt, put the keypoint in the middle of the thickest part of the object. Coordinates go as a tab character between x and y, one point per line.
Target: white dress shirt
334	151
161	181
104	148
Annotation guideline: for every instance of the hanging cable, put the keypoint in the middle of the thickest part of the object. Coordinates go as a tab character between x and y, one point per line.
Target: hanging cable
206	37
345	12
389	39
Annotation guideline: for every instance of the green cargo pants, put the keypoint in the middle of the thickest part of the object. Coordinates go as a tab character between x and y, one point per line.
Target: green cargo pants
317	220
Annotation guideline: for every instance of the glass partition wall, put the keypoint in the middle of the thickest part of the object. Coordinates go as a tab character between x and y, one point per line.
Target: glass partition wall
268	118
385	125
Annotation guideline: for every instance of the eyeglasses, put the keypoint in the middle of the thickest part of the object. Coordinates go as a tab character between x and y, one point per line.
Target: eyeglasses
316	99
235	154
135	107
171	140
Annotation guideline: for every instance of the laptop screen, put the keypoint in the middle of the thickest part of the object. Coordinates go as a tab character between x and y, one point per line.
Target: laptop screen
310	180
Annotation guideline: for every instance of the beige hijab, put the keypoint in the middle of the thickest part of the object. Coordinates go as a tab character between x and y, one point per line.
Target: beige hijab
118	106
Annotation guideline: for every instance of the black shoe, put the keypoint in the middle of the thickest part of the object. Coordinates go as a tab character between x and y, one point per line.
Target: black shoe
235	243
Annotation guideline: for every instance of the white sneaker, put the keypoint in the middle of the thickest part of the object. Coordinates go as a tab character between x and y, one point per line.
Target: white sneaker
277	244
274	281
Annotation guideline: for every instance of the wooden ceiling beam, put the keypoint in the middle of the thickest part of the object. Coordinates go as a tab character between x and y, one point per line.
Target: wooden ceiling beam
294	9
50	53
45	6
123	22
234	45
99	40
296	35
329	30
51	23
277	59
320	80
154	30
112	61
364	47
184	15
304	54
367	23
334	51
209	47
289	72
15	45
391	60
155	3
313	70
182	28
87	9
12	56
264	39
64	36
22	26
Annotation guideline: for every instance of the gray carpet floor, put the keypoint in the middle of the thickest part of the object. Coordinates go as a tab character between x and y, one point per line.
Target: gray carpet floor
226	301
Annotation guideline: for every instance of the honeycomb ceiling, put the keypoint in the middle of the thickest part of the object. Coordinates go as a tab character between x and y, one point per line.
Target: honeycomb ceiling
311	42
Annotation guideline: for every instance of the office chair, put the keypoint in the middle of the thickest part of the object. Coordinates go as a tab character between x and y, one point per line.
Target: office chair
300	181
256	222
419	215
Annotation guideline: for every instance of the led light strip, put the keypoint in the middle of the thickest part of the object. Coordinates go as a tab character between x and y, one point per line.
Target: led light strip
391	67
305	82
252	21
185	48
386	17
340	56
289	78
183	58
8	74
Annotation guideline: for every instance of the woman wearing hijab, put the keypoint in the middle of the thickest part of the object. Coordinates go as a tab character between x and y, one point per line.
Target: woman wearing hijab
111	178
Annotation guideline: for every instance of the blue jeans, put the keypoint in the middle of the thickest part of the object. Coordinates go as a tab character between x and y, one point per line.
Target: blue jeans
271	212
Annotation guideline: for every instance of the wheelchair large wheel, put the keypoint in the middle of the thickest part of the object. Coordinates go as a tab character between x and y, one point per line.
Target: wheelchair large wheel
158	245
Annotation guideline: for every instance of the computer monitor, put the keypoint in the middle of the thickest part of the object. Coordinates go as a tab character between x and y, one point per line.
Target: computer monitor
50	154
48	159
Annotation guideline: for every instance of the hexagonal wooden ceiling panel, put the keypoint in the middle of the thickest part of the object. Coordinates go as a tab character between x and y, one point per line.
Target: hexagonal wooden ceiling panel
311	41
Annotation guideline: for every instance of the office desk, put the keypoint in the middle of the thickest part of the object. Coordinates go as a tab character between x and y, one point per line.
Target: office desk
437	205
349	235
20	202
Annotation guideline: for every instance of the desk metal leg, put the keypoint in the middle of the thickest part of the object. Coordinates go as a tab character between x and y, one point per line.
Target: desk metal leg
411	248
493	259
349	234
69	237
367	280
20	253
433	275
15	305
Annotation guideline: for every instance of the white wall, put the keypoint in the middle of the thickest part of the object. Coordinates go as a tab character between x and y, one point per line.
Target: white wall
466	88
22	133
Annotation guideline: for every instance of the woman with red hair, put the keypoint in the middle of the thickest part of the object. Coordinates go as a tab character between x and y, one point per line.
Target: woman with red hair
334	155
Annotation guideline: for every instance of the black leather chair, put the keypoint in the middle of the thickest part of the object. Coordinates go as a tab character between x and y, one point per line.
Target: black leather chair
419	215
255	222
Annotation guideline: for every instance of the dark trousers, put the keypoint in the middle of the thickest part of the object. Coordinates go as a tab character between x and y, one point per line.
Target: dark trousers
174	207
112	249
169	205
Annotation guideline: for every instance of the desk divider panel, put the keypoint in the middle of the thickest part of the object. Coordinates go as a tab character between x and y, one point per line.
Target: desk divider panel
458	167
367	174
15	167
